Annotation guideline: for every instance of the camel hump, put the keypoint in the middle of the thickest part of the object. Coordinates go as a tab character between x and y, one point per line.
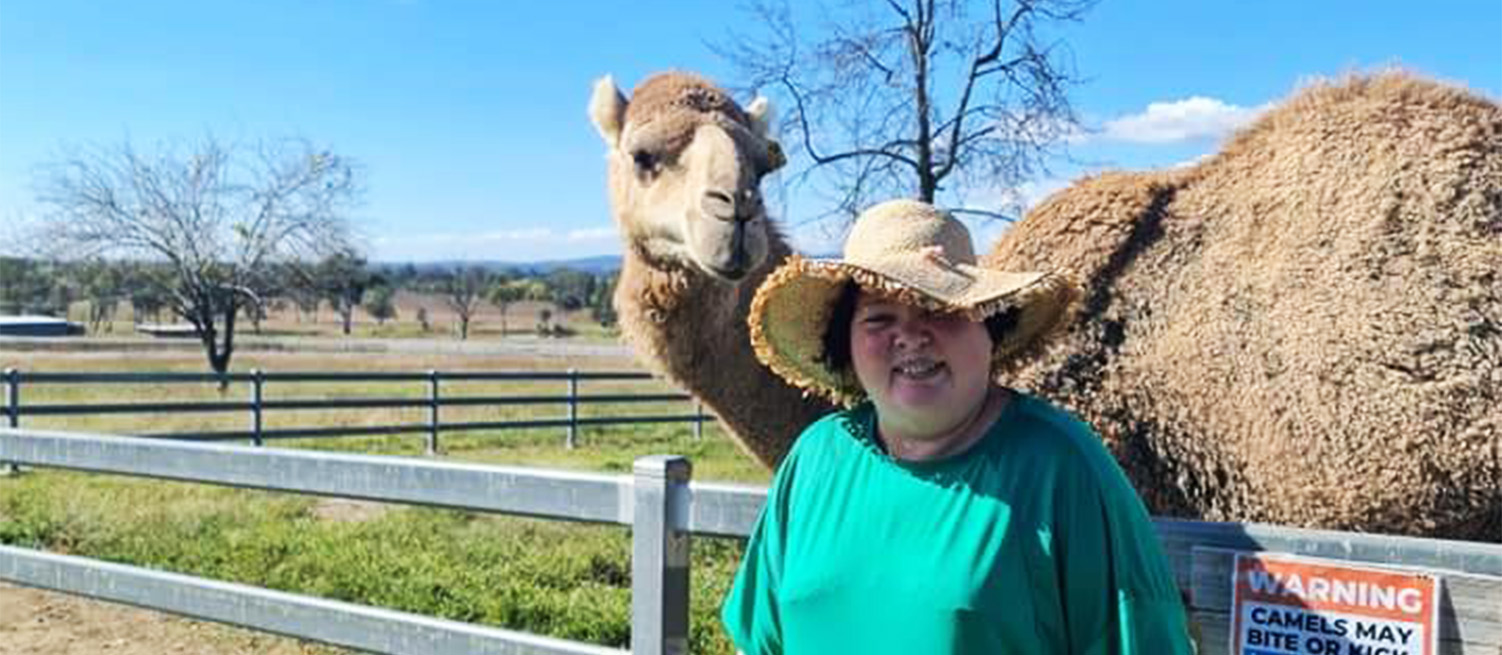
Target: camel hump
1412	148
1383	105
1371	169
1339	171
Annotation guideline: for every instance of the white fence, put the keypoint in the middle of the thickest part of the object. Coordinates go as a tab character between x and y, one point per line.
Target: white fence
664	509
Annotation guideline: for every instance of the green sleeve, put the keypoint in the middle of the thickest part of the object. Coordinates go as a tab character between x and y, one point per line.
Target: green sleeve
1117	589
750	611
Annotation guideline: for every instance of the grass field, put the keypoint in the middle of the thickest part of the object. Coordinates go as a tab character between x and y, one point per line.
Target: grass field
553	578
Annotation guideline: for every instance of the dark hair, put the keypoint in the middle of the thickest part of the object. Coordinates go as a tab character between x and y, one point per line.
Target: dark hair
836	355
836	337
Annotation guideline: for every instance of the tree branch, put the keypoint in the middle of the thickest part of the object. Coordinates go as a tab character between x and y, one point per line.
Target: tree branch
984	213
931	120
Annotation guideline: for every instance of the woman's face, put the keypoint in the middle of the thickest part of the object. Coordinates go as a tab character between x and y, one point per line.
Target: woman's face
924	372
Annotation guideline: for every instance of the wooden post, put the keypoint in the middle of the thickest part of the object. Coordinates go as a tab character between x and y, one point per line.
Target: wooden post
12	412
257	384
433	401
571	440
13	397
698	420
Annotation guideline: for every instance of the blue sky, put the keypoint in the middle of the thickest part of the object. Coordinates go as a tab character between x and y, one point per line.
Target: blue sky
469	117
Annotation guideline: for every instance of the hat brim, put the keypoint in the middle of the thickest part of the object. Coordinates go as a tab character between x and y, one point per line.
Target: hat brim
792	308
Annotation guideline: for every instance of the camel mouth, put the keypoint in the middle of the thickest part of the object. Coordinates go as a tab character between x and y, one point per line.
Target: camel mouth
726	251
727	273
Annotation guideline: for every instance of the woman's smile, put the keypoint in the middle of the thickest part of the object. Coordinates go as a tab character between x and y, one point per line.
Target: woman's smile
926	372
919	369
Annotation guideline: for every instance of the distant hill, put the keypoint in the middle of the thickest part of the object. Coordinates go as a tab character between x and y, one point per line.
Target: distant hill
598	265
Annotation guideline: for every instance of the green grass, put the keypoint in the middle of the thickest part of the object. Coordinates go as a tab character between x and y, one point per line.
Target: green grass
548	577
608	450
565	580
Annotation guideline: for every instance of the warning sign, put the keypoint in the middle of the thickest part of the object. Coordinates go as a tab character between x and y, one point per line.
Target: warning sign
1284	605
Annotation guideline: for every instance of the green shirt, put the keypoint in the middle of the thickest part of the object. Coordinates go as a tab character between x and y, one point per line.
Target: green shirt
1030	542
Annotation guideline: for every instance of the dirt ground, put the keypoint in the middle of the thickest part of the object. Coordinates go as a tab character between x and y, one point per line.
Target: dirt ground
36	622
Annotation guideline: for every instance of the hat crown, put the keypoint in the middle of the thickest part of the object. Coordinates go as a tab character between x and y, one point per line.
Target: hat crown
904	228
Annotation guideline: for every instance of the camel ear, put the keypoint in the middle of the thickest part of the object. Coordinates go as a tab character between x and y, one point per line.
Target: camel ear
760	111
607	109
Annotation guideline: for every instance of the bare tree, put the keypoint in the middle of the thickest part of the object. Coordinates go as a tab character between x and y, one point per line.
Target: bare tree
954	102
462	291
220	223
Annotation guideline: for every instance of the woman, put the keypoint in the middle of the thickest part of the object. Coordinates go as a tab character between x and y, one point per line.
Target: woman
941	513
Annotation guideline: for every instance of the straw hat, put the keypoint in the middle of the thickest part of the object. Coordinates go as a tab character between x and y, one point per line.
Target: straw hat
923	257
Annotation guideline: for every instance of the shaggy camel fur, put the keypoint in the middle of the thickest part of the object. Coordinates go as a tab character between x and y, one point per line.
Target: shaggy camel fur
1305	328
685	164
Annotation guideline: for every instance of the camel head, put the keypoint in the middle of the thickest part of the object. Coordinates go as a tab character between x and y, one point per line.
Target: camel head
685	169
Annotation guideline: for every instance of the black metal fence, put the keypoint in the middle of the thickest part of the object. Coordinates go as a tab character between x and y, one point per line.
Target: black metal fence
256	405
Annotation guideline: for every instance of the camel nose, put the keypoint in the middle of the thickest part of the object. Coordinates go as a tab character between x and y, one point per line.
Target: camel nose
751	203
727	206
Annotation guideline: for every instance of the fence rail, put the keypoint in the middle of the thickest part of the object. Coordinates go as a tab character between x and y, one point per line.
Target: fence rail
257	405
328	621
664	509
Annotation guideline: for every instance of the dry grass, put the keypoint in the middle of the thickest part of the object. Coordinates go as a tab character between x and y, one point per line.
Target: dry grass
521	318
604	448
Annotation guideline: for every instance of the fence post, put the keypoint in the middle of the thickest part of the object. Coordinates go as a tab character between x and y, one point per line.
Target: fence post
572	438
698	420
433	400
659	556
257	382
12	412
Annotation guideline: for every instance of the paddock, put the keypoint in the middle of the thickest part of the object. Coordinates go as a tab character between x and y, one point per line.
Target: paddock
664	507
665	510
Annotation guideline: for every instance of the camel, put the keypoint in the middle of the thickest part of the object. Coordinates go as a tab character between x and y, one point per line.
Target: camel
685	164
1304	328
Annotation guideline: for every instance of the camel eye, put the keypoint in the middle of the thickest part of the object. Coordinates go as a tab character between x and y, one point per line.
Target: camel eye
645	161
